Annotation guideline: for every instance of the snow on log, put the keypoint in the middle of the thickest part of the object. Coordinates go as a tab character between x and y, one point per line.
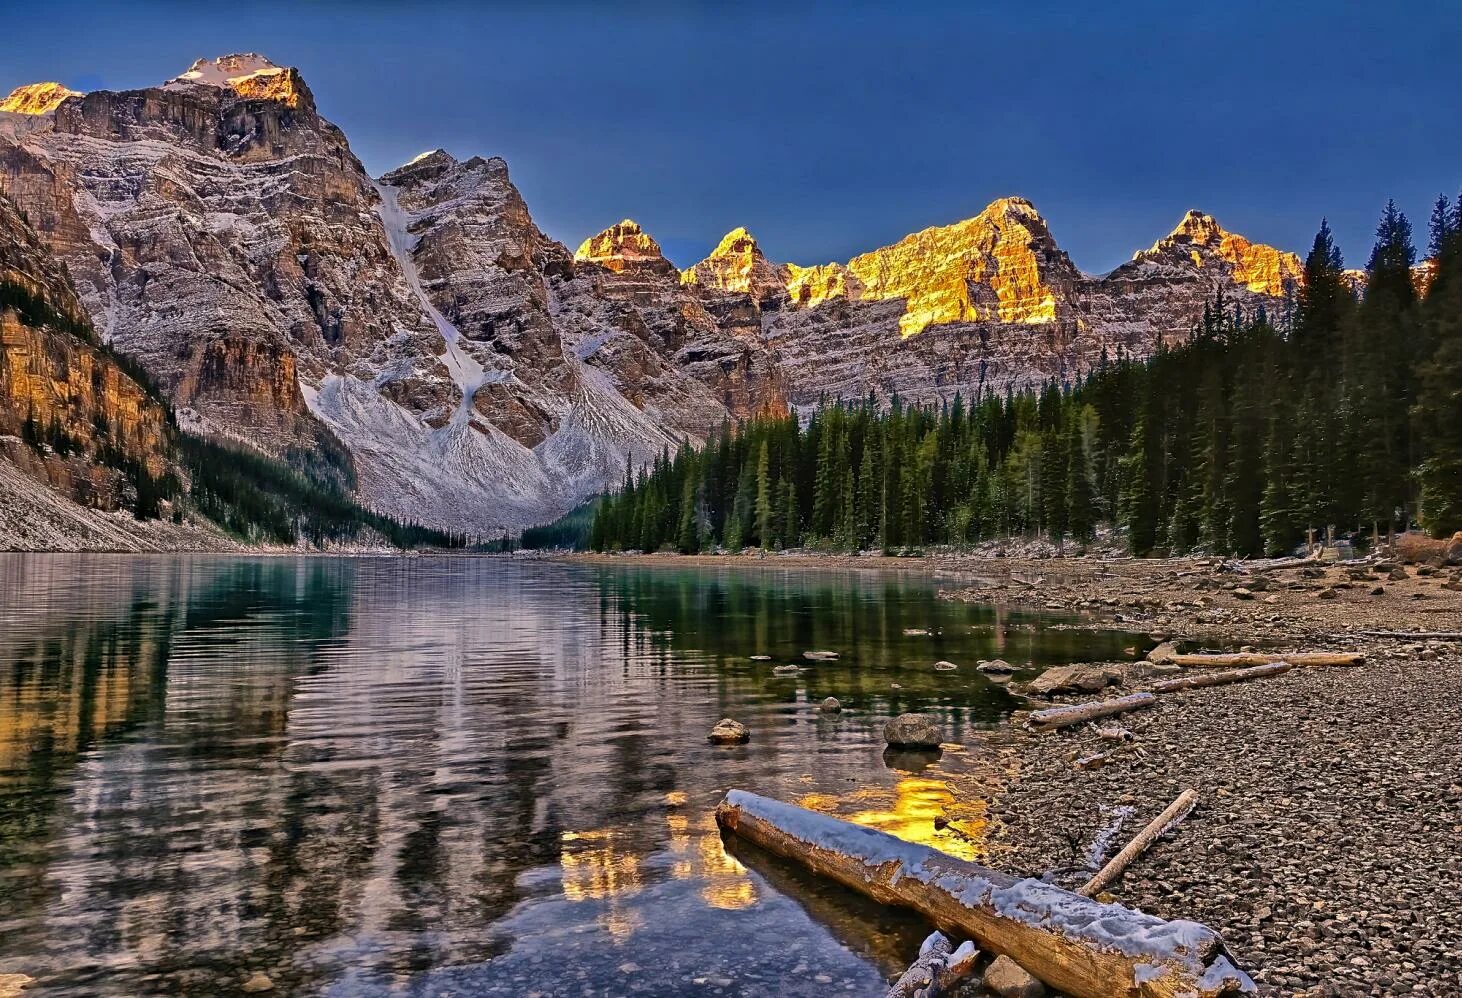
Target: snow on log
1220	678
1171	815
1080	946
936	971
1240	660
1061	717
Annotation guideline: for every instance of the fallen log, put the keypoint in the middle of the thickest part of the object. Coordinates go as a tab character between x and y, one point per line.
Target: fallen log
1220	678
1171	815
1061	717
1240	660
1080	946
1415	635
936	971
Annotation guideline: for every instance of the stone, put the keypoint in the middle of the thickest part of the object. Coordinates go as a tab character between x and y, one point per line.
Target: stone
258	981
831	705
1008	979
995	667
1328	592
945	666
729	732
1163	652
820	656
761	658
914	731
786	670
1075	679
1244	594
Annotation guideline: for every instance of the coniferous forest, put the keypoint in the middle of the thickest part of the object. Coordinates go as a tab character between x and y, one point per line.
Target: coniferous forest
1345	415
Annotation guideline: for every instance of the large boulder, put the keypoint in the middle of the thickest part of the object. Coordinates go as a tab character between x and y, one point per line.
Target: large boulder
1075	679
912	731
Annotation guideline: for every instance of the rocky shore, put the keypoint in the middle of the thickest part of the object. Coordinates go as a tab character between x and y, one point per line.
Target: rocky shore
1325	845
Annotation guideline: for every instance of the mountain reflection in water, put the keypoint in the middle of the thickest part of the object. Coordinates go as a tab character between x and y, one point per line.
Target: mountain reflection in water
438	776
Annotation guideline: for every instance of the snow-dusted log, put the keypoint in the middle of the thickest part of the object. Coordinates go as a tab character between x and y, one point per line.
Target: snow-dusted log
1241	660
1061	717
1077	945
936	971
1220	678
1171	815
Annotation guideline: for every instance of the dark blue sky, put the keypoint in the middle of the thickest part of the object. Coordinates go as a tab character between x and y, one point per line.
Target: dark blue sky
829	130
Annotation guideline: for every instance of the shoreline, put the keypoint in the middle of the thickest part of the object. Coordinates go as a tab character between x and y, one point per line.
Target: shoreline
1325	835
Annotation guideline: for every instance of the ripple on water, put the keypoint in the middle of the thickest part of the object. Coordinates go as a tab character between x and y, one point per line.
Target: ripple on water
457	775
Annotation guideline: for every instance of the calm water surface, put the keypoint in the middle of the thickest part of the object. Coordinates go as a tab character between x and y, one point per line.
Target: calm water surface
466	776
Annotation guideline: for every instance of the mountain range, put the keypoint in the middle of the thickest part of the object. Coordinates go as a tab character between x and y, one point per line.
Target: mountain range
479	374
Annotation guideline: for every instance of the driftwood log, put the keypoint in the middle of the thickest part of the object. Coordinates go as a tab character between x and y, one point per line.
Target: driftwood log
1061	717
1171	815
1220	678
1077	945
1242	660
1416	635
937	970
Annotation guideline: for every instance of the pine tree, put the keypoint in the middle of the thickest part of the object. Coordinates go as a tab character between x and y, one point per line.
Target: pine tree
1440	229
1080	514
764	508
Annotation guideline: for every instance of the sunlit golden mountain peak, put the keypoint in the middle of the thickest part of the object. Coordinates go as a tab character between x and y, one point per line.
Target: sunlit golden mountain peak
37	98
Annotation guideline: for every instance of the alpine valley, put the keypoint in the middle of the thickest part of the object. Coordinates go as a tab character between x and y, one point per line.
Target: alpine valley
417	337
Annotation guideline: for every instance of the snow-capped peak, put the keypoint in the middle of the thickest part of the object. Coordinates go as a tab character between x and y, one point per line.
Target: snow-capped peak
228	70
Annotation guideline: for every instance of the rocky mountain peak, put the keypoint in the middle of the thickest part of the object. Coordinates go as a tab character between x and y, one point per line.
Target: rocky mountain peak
37	98
247	74
426	166
1200	242
621	247
737	264
1198	227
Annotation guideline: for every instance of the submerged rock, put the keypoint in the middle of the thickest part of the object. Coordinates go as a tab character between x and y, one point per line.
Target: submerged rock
911	731
729	732
831	705
945	667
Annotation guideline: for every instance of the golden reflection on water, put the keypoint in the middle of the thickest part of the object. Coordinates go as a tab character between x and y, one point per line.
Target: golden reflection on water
916	809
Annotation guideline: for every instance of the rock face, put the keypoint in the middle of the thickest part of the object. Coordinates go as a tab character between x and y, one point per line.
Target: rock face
221	231
480	376
54	378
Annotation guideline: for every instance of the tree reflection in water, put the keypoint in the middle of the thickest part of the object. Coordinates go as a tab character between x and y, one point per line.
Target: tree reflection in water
369	775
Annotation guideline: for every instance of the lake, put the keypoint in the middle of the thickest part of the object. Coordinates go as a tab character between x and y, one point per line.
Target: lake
448	776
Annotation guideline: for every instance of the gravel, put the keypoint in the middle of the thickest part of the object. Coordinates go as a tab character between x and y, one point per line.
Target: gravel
1326	847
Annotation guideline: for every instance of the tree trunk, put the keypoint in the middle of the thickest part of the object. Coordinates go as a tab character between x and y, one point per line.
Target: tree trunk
1220	678
1061	717
1171	815
1074	944
1242	660
937	970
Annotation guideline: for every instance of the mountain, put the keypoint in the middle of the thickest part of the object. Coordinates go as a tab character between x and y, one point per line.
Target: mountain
83	442
418	335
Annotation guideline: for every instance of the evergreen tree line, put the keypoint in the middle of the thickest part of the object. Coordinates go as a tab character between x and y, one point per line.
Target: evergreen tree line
262	500
1242	440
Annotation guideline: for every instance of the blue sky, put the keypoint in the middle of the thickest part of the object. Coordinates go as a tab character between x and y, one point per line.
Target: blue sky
832	129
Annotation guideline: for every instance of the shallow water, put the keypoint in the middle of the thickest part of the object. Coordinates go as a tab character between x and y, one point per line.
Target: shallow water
467	776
